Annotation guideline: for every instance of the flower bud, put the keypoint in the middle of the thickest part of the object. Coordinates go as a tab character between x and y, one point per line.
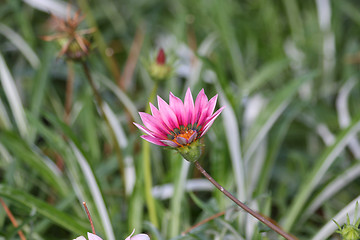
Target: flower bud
158	69
349	232
72	40
161	57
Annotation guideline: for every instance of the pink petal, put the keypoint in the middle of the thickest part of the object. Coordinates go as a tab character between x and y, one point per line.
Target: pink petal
178	107
93	237
200	106
80	238
192	137
145	130
155	112
138	236
212	104
170	143
153	140
181	140
211	121
208	111
189	107
128	238
153	124
167	114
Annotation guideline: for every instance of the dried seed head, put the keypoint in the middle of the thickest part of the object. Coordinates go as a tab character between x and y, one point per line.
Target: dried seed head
72	41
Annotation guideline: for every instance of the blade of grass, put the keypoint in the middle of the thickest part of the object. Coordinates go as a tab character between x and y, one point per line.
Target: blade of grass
122	141
41	80
350	10
264	74
62	219
88	119
4	117
58	8
295	21
61	147
124	99
277	136
95	191
233	138
344	118
13	97
99	39
205	48
331	189
177	198
329	228
268	117
30	156
21	44
227	34
318	171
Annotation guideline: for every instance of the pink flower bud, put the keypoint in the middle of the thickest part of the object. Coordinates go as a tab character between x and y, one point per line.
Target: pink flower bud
161	58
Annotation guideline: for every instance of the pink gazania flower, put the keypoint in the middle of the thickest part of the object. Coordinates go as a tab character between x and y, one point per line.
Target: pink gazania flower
179	125
140	236
136	237
90	237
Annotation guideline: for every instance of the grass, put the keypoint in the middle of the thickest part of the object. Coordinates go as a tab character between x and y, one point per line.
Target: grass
287	143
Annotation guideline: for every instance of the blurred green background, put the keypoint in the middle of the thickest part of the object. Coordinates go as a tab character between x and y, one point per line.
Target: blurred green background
287	143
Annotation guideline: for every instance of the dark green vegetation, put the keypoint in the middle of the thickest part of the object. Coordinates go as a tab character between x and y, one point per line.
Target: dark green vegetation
287	143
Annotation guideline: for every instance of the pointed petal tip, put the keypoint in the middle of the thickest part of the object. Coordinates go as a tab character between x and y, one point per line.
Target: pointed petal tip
140	236
192	137
153	140
93	237
169	143
129	237
80	238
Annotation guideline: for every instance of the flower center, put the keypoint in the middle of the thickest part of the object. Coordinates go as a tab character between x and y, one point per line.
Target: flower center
184	135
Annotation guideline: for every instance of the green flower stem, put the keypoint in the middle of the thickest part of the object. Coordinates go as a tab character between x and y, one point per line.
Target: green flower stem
99	102
150	202
243	206
179	189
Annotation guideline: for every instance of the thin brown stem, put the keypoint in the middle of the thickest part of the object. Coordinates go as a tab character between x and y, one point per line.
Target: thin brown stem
12	219
99	102
203	222
90	219
243	206
93	87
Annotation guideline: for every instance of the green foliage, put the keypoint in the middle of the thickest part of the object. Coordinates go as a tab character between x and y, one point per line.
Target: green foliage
287	143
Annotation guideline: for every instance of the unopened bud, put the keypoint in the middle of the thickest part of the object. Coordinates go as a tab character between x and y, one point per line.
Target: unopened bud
161	58
158	69
350	231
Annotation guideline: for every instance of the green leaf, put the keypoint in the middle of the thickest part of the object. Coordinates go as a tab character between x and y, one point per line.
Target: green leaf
271	113
13	97
30	156
264	74
318	171
62	219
